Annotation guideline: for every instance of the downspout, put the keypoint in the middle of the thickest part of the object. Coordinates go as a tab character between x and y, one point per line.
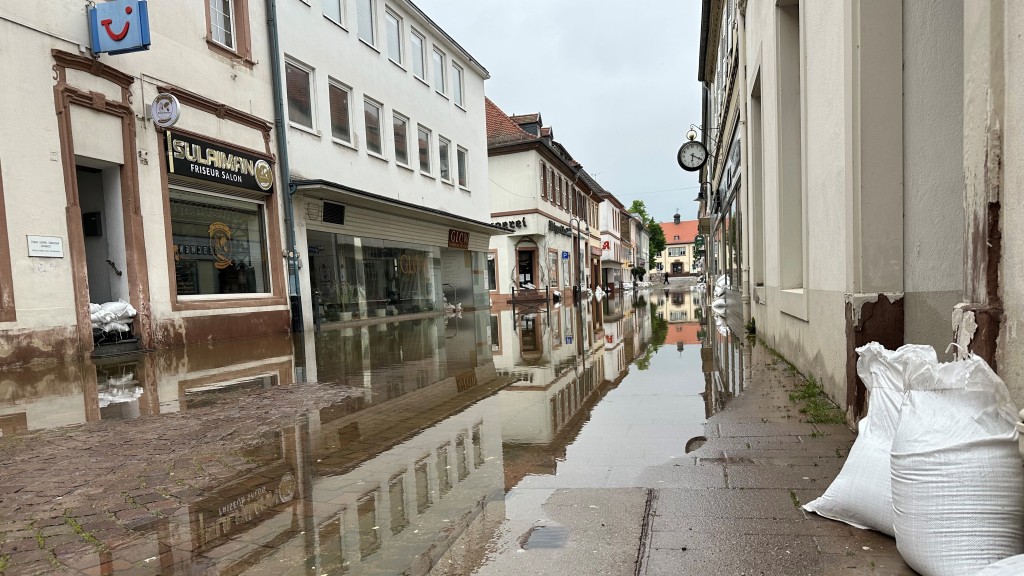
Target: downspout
741	96
291	255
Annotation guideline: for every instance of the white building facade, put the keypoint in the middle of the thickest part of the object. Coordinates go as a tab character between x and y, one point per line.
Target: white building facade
388	159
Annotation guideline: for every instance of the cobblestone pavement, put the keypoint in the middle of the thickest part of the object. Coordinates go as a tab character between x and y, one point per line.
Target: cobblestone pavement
71	496
733	506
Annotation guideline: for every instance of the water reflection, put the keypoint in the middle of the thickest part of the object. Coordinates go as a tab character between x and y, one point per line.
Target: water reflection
407	441
725	358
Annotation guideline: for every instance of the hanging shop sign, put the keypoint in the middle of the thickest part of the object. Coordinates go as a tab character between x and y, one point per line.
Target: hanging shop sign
198	158
458	239
119	26
165	110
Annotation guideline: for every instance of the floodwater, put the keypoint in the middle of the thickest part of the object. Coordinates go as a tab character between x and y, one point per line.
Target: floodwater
422	446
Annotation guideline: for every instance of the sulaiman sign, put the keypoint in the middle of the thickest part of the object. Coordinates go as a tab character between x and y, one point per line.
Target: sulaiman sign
198	158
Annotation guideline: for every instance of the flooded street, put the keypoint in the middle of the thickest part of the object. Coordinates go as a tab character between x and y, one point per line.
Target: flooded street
472	444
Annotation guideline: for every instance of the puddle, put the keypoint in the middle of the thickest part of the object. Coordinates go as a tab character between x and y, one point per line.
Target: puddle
545	537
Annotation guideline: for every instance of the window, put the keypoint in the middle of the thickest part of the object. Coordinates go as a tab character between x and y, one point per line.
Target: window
220	244
439	71
401	129
463	166
543	181
300	99
366	14
371	113
394	28
457	83
333	10
492	274
341	125
444	155
424	144
222	23
419	55
675	238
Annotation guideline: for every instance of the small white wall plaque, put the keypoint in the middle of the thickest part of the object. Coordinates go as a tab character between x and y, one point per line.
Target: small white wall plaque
46	246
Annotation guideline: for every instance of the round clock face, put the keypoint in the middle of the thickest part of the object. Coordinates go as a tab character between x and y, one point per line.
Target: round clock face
692	156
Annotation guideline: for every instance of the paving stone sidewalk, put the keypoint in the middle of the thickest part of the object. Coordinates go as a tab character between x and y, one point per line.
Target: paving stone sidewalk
733	506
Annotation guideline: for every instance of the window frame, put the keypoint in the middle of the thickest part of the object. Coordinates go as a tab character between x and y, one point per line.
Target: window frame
444	159
395	116
341	11
367	101
458	88
332	83
422	76
440	69
242	47
360	31
388	15
462	167
310	85
429	151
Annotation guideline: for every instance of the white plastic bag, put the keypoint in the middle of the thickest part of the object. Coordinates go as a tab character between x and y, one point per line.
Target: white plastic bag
1012	566
957	485
861	495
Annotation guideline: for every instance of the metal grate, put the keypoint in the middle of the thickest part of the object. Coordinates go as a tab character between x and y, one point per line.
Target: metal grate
334	213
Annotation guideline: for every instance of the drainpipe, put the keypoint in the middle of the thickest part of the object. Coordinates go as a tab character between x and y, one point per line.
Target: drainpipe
294	296
741	80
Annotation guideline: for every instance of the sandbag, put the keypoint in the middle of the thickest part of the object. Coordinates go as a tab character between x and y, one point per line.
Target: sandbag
1012	566
861	495
957	485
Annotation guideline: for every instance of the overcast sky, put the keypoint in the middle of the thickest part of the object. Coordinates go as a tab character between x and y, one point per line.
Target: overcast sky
617	82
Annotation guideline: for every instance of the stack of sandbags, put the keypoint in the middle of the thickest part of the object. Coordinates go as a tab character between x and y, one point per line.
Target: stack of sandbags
936	463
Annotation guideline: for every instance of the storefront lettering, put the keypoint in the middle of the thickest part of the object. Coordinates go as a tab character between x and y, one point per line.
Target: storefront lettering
513	224
411	264
189	156
559	229
458	239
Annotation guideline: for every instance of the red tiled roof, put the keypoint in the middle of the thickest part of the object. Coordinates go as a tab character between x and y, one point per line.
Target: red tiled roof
526	118
686	230
684	332
501	129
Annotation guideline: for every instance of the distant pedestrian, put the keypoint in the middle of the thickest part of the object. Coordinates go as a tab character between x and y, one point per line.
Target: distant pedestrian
666	278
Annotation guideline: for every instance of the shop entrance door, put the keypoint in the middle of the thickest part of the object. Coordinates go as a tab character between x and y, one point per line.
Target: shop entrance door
106	256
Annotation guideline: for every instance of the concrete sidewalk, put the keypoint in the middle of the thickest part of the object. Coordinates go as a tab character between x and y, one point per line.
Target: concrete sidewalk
733	505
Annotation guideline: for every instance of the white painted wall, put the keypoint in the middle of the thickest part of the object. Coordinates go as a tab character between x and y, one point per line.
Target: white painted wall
305	36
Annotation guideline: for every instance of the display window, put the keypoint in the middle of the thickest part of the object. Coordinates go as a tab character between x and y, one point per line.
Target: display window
220	244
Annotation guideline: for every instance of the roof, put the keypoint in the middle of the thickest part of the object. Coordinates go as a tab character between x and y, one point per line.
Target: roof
686	230
526	118
502	129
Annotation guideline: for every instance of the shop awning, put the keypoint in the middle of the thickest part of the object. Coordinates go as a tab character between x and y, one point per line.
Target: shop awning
355	197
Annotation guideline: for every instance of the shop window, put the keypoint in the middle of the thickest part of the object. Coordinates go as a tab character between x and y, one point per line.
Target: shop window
220	245
492	273
228	26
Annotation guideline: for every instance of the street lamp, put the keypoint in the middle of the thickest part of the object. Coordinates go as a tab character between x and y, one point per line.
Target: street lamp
577	290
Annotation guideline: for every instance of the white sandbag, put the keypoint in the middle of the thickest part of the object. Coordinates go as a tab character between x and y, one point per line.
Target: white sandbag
115	327
1012	566
861	495
957	484
121	309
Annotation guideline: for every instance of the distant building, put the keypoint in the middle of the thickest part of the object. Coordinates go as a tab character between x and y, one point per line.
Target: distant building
678	258
545	198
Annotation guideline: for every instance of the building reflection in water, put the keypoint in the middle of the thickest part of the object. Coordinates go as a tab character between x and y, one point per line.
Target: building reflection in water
447	415
725	358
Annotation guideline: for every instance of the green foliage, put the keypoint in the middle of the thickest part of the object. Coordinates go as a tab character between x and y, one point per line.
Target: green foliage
659	331
657	243
817	408
751	327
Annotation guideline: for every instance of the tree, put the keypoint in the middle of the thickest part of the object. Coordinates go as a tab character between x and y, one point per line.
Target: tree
657	243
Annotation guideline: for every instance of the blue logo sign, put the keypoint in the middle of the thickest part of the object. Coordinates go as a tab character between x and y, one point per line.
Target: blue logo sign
565	255
119	26
568	339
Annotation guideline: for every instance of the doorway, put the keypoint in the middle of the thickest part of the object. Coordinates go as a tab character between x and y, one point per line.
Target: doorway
527	260
99	195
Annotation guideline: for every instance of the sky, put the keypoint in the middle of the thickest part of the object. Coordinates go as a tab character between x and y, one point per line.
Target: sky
616	82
